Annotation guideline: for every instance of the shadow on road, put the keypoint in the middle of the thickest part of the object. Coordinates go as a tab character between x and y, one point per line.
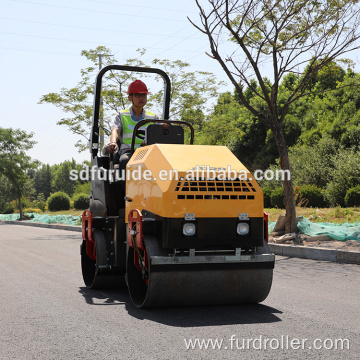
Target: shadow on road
185	316
105	297
208	315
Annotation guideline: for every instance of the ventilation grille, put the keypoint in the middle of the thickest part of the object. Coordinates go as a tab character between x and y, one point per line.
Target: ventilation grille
215	190
220	186
140	155
216	197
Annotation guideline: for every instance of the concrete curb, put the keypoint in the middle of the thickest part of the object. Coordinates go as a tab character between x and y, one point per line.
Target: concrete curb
50	226
316	253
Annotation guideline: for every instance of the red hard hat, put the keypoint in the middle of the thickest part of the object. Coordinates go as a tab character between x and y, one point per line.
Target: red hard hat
138	87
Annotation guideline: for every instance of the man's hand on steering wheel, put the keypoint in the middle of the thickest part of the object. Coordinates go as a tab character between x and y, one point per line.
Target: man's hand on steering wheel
112	147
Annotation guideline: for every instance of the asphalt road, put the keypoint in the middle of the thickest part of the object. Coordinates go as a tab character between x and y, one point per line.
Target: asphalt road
47	313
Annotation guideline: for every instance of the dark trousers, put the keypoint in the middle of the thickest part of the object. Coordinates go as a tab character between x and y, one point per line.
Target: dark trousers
122	157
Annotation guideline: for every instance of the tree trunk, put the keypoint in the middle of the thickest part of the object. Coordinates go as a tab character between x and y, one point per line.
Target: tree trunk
20	208
289	201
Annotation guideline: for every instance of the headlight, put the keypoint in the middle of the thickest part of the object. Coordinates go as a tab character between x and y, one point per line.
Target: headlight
189	229
242	228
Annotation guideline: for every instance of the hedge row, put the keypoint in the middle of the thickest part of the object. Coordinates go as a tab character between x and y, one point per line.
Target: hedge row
307	195
61	201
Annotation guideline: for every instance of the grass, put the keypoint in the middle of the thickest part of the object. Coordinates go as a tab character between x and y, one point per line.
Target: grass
72	212
332	215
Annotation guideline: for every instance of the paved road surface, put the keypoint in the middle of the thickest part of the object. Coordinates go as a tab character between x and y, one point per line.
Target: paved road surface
47	313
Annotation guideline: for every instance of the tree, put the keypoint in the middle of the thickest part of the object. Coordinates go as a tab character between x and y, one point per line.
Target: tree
231	124
6	193
329	166
62	181
14	163
190	92
42	180
333	114
77	101
285	35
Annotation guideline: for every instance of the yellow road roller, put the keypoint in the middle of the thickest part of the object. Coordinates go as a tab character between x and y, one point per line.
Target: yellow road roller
190	228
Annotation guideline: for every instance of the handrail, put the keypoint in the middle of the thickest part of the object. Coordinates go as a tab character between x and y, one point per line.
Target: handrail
94	136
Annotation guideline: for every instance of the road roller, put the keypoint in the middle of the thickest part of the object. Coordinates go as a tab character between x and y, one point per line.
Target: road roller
189	229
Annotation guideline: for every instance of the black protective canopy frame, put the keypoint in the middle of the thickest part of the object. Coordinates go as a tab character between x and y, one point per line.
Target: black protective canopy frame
94	136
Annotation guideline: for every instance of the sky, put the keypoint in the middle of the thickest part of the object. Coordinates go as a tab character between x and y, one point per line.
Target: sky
41	42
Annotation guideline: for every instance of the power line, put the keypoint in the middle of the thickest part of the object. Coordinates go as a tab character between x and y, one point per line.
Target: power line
93	42
86	28
77	55
178	44
123	15
61	39
170	36
37	51
141	6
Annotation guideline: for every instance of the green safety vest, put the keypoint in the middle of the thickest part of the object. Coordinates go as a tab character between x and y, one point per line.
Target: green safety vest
129	124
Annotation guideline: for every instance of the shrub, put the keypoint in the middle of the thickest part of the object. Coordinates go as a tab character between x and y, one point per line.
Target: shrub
25	203
277	198
82	188
40	205
346	175
32	210
313	194
40	202
8	208
352	197
81	201
58	201
267	197
312	164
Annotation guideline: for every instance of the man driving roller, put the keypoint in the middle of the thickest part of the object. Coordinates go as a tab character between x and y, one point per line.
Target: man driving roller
126	120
